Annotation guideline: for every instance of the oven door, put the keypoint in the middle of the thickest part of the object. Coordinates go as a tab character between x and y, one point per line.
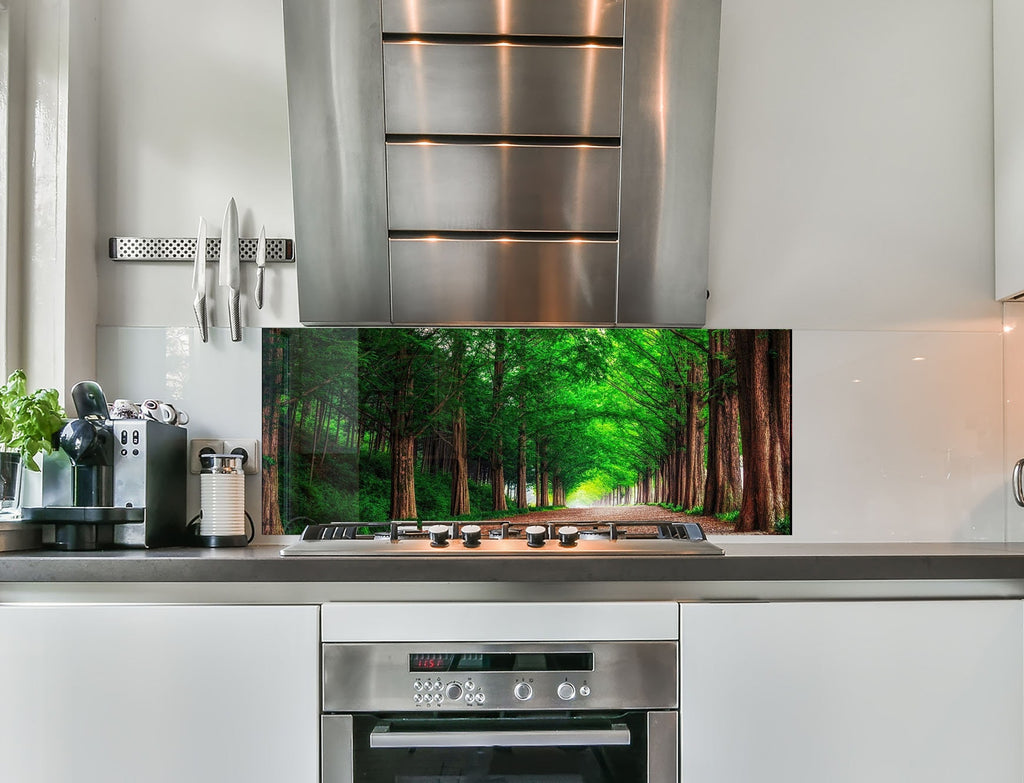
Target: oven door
630	747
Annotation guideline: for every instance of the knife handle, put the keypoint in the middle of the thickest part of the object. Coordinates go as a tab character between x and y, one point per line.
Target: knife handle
258	294
199	305
235	316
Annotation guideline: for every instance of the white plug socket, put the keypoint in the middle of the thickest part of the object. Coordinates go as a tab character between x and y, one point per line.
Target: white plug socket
199	446
249	449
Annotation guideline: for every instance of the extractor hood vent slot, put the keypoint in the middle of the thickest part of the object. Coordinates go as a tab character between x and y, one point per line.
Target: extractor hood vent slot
595	18
504	141
497	39
509	236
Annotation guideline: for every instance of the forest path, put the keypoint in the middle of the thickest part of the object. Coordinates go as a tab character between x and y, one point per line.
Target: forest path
593	514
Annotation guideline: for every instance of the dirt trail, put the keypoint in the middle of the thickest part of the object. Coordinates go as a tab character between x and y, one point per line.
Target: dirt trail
593	514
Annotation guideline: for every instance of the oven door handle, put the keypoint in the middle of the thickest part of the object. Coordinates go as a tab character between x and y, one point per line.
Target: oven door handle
383	737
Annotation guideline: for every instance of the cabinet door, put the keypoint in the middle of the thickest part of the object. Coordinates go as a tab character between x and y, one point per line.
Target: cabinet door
860	691
1008	119
159	694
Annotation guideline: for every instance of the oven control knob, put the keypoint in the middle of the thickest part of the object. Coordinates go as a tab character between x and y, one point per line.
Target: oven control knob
523	691
471	535
568	535
453	692
438	535
584	690
535	535
566	691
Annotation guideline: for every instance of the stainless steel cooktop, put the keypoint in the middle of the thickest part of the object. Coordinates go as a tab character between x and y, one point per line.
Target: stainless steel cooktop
451	539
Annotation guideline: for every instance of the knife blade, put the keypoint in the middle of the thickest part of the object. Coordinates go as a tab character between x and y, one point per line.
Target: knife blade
199	282
229	272
261	262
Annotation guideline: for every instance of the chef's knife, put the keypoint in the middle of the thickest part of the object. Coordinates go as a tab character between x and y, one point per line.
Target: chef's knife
261	262
229	274
199	282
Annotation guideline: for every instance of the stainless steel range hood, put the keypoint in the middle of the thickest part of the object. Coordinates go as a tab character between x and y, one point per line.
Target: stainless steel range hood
543	162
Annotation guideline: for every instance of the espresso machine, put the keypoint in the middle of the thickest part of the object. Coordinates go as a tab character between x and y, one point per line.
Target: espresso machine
113	482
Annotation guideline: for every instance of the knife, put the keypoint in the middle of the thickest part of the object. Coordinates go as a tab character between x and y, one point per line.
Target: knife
199	282
261	262
229	275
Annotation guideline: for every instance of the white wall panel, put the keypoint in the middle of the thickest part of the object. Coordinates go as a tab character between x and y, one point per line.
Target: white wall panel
853	166
897	436
194	111
219	384
1013	390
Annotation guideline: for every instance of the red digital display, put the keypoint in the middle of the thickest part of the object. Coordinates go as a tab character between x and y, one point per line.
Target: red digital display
430	662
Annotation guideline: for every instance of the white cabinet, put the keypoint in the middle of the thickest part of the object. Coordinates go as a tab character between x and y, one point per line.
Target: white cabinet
1008	132
852	692
159	694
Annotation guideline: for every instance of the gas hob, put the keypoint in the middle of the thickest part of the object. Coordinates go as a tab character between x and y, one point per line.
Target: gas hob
555	539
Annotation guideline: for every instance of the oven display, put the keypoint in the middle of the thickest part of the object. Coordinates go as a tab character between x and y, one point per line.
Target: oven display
501	662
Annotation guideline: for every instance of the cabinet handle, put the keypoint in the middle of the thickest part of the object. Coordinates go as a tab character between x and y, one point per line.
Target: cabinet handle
1018	488
382	737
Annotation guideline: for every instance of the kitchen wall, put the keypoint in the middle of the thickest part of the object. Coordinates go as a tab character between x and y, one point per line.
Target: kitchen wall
852	203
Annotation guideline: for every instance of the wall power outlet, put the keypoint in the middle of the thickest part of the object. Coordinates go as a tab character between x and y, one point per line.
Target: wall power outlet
250	451
199	446
247	448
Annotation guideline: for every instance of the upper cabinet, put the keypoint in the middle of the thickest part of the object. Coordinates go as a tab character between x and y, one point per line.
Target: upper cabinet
502	162
1008	127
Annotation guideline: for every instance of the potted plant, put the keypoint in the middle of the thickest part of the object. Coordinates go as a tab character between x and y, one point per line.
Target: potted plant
28	423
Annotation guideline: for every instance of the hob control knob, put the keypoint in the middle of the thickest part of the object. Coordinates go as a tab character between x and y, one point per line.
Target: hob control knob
523	691
438	535
471	535
568	535
566	691
453	692
535	535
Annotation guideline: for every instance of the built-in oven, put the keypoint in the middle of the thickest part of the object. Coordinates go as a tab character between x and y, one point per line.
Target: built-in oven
519	712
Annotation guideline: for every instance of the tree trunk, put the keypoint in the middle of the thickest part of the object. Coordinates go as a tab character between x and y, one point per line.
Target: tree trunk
522	501
761	506
402	441
693	484
497	404
723	489
543	499
273	386
460	467
781	355
460	459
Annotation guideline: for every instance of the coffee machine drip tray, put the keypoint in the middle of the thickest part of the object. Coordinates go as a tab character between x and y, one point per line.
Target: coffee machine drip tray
94	515
83	528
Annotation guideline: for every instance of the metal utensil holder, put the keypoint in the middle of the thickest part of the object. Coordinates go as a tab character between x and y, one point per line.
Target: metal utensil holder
279	251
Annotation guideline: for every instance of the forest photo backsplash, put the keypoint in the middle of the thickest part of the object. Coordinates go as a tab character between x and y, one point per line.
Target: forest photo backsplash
373	425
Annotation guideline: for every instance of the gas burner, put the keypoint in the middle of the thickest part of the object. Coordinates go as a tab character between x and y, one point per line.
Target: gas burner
447	539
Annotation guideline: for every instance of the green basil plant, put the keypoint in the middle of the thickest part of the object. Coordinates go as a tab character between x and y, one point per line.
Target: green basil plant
28	421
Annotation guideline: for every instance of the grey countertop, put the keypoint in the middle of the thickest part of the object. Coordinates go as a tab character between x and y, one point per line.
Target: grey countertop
768	561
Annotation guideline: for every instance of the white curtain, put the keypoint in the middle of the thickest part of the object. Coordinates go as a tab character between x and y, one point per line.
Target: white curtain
5	179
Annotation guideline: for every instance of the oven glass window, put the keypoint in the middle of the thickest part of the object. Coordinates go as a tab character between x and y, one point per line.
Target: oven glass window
478	756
